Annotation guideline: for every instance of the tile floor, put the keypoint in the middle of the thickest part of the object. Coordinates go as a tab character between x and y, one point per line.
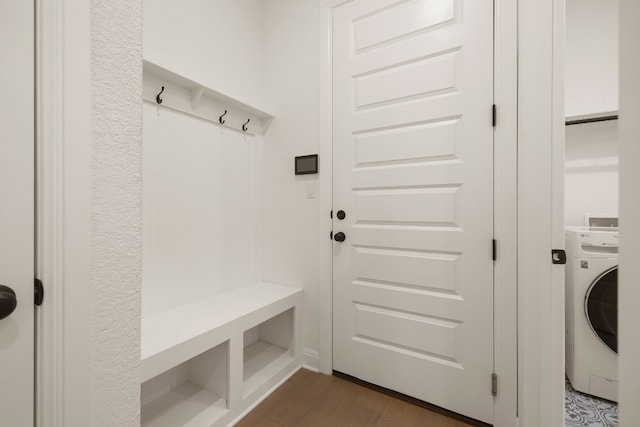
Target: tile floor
583	410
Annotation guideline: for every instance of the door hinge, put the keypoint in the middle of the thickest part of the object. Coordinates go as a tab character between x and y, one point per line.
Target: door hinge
494	384
494	115
558	256
494	249
38	292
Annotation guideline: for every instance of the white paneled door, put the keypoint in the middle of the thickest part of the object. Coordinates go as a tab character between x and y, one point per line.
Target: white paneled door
413	175
16	212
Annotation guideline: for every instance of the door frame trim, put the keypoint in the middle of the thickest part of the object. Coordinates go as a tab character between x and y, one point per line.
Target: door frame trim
63	206
505	205
49	217
325	182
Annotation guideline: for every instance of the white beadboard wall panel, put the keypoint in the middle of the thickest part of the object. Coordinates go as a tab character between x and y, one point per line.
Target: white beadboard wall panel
591	170
218	43
200	203
291	218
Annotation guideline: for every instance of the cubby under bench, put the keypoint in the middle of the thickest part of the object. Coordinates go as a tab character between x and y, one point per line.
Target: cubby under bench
209	362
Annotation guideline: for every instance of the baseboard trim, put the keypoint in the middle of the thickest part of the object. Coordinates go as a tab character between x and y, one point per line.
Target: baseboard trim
311	359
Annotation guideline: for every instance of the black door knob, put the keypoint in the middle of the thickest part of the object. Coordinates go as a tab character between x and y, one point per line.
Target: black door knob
339	237
341	215
8	301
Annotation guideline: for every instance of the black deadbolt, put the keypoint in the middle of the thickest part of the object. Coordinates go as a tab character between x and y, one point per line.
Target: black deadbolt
341	215
339	237
8	301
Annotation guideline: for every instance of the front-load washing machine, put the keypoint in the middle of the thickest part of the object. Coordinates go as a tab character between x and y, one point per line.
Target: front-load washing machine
592	310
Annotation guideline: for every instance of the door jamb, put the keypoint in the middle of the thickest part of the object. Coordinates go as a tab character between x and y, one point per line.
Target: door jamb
325	310
63	136
505	207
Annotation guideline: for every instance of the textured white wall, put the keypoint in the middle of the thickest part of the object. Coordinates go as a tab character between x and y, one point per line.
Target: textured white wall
116	217
591	170
591	60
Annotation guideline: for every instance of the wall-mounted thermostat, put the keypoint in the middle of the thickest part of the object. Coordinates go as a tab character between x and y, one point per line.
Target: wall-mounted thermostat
306	165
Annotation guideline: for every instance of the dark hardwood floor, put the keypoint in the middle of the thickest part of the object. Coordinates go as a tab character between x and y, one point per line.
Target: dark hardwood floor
309	399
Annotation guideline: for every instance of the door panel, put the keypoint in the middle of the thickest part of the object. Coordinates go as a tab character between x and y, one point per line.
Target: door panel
373	147
421	269
413	169
16	213
400	19
382	85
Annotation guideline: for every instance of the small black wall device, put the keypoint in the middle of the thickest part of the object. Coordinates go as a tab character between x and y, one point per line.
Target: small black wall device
306	165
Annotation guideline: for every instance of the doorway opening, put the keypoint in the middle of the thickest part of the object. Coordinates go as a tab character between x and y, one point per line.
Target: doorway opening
591	212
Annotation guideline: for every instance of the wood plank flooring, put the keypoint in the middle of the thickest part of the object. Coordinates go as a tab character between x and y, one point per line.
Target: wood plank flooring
309	399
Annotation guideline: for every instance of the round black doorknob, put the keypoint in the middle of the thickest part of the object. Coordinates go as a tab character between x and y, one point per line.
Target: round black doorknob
341	215
339	237
8	301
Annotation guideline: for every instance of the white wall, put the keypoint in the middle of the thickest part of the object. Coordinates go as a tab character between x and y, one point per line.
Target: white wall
201	204
591	170
629	291
218	43
591	87
291	220
591	61
261	52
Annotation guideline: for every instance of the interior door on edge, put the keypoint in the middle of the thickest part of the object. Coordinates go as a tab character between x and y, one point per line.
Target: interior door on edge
16	213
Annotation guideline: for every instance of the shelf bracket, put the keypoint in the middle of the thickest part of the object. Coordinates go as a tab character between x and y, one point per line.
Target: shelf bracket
196	96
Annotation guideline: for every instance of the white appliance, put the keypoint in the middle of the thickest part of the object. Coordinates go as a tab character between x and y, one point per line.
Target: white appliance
592	310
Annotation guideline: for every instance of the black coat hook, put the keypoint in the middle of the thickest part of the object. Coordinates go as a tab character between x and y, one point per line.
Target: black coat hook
244	126
220	119
158	99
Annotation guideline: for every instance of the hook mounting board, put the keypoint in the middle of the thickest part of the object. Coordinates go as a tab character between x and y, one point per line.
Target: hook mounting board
199	100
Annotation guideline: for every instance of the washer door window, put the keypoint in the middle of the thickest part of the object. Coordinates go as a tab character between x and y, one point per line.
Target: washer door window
601	306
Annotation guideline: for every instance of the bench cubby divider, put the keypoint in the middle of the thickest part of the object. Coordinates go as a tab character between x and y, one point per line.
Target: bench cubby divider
207	363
